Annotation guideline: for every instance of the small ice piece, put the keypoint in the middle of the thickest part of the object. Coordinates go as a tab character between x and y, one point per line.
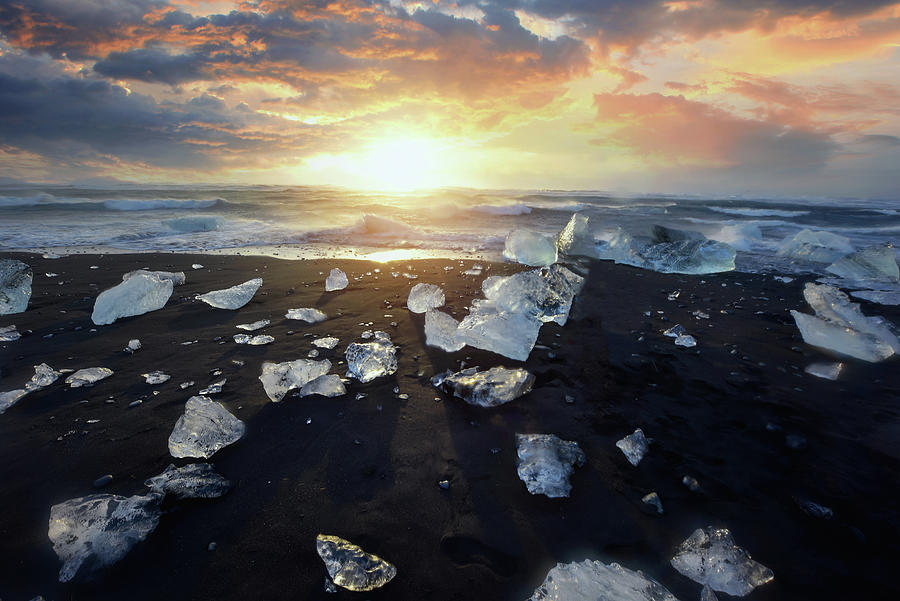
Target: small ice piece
251	327
545	463
336	280
328	385
241	338
205	427
675	331
691	483
509	334
215	387
133	345
707	594
366	334
328	342
530	248
88	376
280	378
545	294
156	377
828	371
877	263
10	398
138	294
352	568
309	315
186	385
653	500
634	446
489	388
686	341
709	556
44	376
234	297
253	340
575	238
882	297
815	246
193	481
196	266
441	331
596	581
423	297
783	279
98	530
177	278
9	334
369	360
15	286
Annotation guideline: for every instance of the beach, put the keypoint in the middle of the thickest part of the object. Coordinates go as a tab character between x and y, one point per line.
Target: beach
736	412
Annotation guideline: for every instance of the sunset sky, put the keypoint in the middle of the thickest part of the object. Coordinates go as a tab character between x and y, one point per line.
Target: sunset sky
787	97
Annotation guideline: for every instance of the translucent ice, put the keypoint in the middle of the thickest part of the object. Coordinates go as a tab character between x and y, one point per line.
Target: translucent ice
44	376
193	481
280	378
669	251
133	345
139	294
177	277
546	462
882	297
530	248
441	331
328	342
575	238
545	294
870	263
214	388
685	340
596	581
489	388
336	280
88	376
709	556
423	297
329	385
96	531
369	360
654	501
509	334
9	334
258	340
234	297
250	327
156	377
828	371
352	568
205	427
15	286
818	247
309	315
634	446
10	398
707	594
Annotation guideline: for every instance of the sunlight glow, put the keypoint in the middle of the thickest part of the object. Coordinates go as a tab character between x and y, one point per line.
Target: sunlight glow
400	163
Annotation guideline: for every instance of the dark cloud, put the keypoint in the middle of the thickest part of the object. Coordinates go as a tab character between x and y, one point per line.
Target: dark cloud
880	140
147	64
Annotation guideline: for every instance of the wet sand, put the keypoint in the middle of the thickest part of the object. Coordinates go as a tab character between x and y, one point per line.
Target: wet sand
368	470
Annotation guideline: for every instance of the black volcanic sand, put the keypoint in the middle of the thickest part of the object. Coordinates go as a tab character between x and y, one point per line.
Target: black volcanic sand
368	470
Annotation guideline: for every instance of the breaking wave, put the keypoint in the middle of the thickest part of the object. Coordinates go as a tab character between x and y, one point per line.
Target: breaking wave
748	212
186	225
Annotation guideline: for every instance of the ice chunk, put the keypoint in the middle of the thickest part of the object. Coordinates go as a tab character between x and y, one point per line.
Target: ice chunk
828	371
675	331
96	531
336	280
234	297
870	263
595	581
10	398
309	315
707	594
634	446
133	345
156	377
840	326
509	334
251	327
177	277
352	568
423	297
44	376
328	342
214	388
669	251
441	331
329	385
709	556
815	246
253	340
654	501
193	481
546	462
545	294
530	248
882	297
88	376
9	334
489	388
196	266
575	238
205	427
139	294
686	341
15	286
280	378
369	360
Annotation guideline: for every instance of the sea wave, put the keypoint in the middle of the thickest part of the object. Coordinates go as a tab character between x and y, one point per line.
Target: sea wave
751	212
186	225
504	209
142	204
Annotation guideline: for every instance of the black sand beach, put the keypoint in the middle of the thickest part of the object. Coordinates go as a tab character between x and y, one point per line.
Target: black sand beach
368	470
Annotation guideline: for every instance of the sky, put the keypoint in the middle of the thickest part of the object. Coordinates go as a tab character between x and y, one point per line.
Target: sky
774	97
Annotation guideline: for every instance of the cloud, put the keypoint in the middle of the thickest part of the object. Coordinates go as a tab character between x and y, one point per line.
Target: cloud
147	64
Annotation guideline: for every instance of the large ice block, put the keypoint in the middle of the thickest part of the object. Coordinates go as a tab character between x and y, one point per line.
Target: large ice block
10	398
423	297
205	427
441	331
352	568
336	280
509	334
280	378
545	294
176	277
815	246
669	251
596	581
192	481
530	248
96	531
546	462
488	388
234	297
369	360
15	286
878	263
575	239
709	556
882	297
136	295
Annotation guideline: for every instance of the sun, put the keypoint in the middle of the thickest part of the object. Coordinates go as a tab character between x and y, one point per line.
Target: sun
402	163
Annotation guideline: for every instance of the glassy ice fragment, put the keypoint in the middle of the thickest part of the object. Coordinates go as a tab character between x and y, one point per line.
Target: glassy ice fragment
575	238
707	594
509	334
15	286
545	463
9	334
595	581
709	556
232	298
815	246
258	340
441	331
882	297
653	500
280	378
686	341
669	251
307	314
544	294
634	446
133	345
352	568
336	280
139	294
10	398
328	342
156	377
250	327
423	297
828	371
44	376
177	277
328	385
88	376
205	427
192	481
878	263
488	388
369	360
215	387
530	248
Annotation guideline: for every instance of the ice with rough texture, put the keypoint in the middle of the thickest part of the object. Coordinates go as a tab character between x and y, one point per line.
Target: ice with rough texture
877	263
441	331
654	501
98	530
139	294
545	463
707	594
423	297
709	556
328	385
827	371
214	388
815	246
251	327
205	427
156	377
352	568
15	286
686	340
488	388
544	294
596	581
176	277
336	280
669	251
840	326
328	342
9	334
509	334
192	481
258	340
307	314
88	376
280	378
44	376
369	360
530	248
234	297
133	345
575	238
10	398
882	297
634	446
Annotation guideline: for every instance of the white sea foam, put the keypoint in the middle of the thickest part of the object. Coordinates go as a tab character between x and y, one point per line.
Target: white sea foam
205	223
751	212
505	209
